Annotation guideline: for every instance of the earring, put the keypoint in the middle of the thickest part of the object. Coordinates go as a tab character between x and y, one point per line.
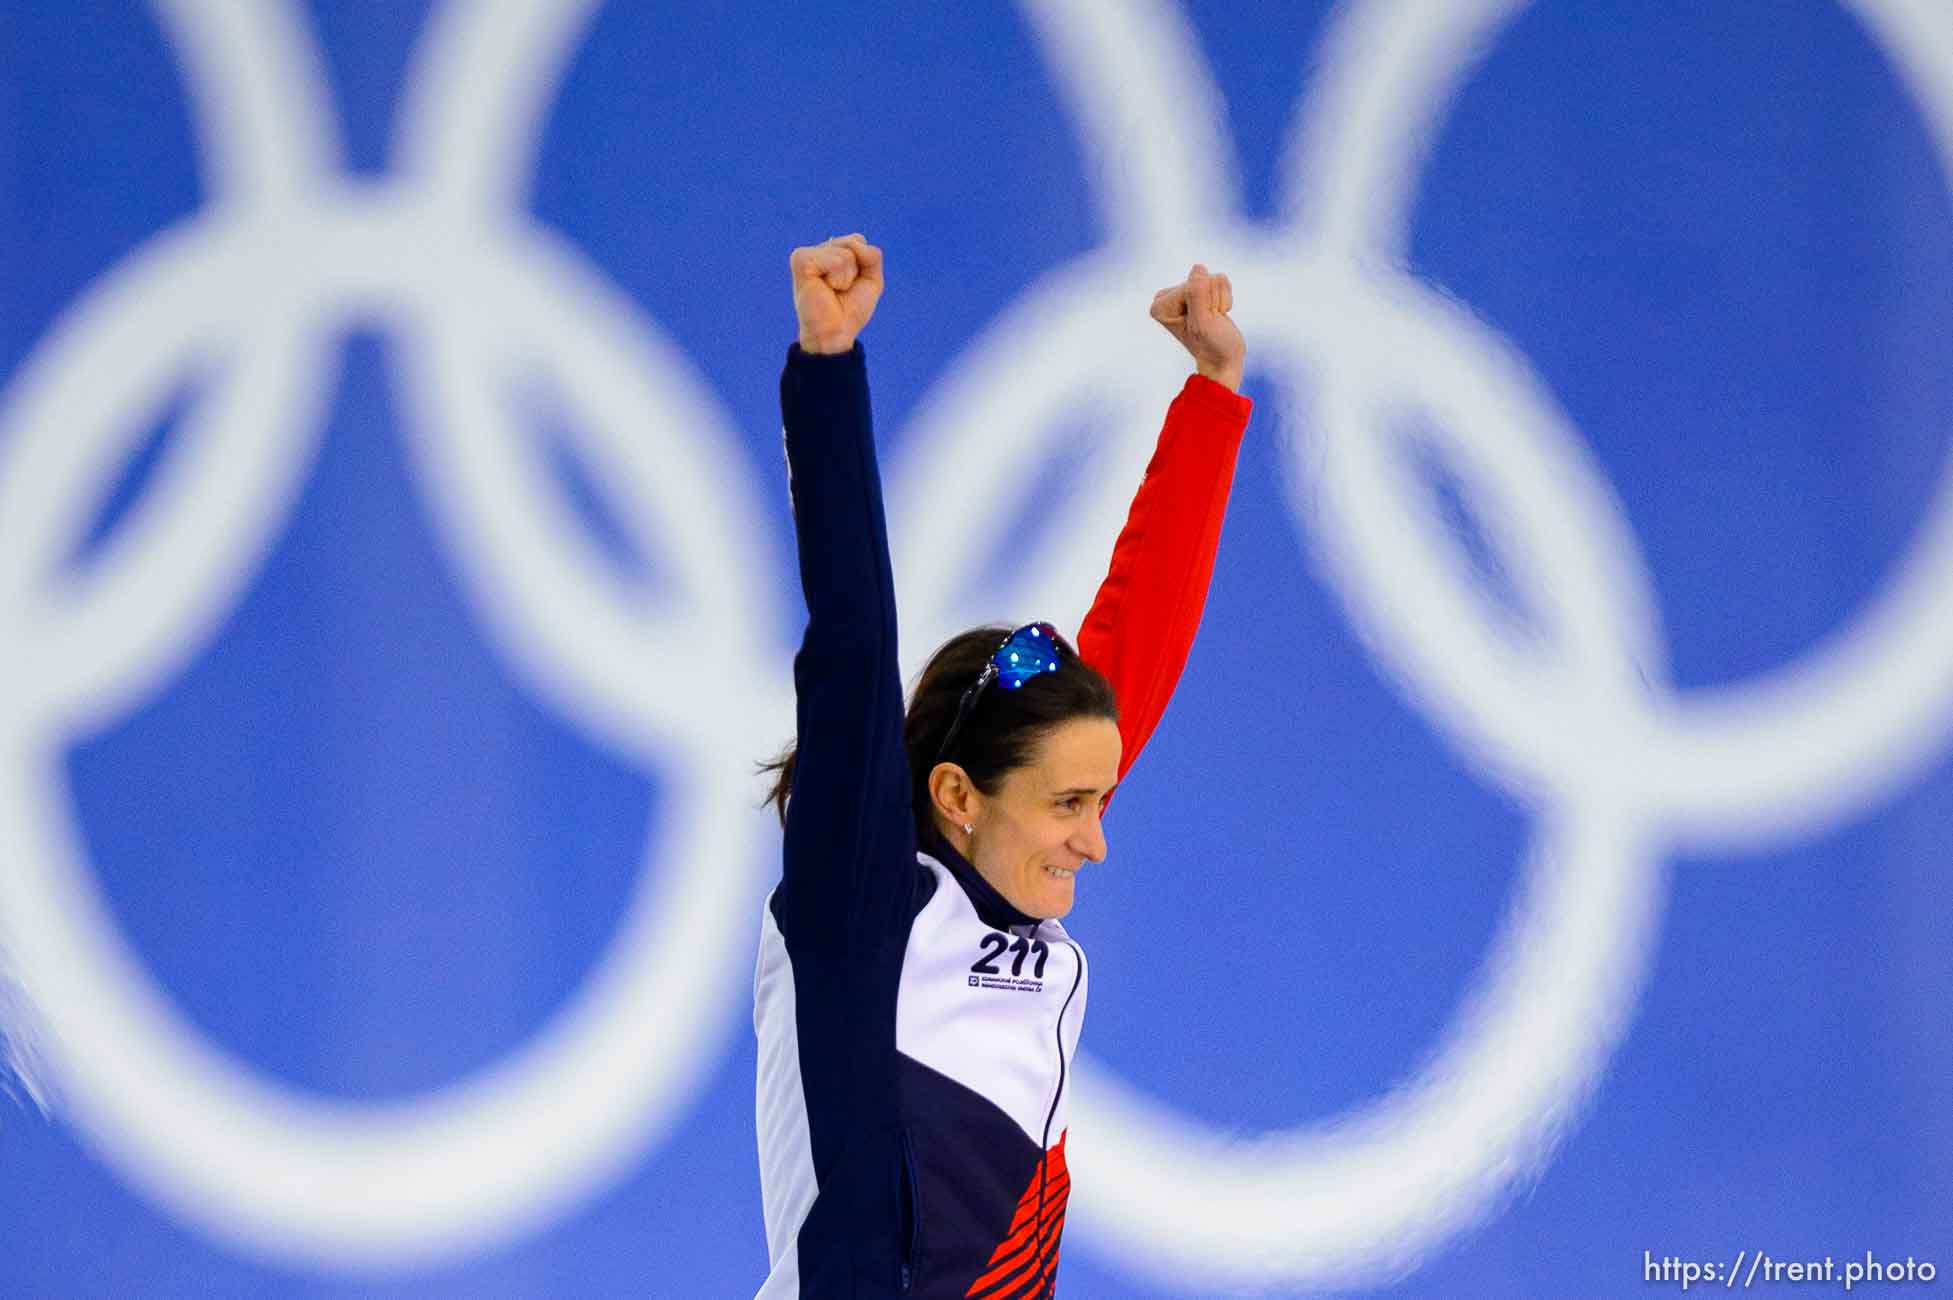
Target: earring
969	828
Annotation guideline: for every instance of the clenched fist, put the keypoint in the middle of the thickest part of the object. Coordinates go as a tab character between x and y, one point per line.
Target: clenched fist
1195	313
835	288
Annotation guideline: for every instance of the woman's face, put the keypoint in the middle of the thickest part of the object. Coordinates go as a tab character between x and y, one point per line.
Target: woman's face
1032	836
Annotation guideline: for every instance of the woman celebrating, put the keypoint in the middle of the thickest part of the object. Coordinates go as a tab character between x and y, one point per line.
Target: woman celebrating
917	1001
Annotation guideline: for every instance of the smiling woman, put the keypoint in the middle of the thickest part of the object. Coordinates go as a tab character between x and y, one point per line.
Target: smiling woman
1019	780
1007	780
1044	817
917	1001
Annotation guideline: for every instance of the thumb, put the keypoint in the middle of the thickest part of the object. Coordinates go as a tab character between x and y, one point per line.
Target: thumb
1170	305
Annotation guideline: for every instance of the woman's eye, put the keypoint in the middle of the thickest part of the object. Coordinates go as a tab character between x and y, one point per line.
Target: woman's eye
1069	805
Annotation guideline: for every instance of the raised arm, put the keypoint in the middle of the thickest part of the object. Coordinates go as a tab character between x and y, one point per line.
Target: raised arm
850	836
1141	625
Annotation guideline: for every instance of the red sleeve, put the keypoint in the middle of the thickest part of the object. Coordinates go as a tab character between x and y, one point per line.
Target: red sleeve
1142	623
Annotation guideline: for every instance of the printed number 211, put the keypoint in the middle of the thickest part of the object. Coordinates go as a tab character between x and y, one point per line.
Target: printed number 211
996	945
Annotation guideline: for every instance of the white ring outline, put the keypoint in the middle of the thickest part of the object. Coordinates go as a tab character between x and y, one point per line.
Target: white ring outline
1911	20
1357	1200
250	1160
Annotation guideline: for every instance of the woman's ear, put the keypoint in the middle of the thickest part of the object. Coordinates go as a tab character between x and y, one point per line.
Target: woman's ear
953	795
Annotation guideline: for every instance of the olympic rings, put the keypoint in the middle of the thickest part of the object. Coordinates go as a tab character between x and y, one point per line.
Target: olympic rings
250	1160
347	1186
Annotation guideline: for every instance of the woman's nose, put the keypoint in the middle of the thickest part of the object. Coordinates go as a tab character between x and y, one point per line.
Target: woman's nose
1092	843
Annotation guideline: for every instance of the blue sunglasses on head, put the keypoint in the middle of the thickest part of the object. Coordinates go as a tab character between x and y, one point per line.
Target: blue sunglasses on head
1030	650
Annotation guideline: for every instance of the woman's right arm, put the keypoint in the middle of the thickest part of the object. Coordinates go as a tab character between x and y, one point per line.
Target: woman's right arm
1141	626
850	836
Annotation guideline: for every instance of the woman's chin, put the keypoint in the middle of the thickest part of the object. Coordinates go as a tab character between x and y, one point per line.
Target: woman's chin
1054	898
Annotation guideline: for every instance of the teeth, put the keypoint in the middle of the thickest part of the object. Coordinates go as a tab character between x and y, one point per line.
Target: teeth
1060	873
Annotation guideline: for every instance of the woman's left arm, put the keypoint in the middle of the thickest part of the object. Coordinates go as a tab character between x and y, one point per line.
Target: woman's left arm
1141	626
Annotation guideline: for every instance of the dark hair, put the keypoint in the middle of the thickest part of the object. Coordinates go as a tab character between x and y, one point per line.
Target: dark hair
1003	727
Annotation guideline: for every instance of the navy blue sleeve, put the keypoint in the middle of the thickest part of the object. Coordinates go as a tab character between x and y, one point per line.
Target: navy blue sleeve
850	837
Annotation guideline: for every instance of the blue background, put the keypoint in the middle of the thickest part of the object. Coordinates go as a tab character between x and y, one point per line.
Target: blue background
357	853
